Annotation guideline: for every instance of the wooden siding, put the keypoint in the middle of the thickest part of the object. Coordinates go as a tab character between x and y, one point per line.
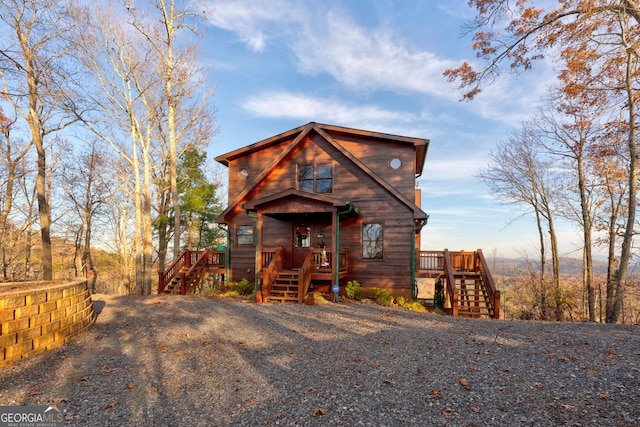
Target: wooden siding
377	157
350	182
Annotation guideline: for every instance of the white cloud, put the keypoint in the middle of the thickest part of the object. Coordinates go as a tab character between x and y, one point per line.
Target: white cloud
369	59
326	40
298	106
253	21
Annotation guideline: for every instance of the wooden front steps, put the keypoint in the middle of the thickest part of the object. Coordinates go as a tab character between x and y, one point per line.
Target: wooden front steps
285	287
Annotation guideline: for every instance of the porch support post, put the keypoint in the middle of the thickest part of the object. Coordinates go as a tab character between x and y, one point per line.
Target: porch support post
414	286
336	260
336	245
259	222
258	243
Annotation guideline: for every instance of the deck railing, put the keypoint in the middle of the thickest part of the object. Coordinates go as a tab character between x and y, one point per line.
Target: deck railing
170	272
304	275
430	260
272	261
199	259
493	295
452	292
204	259
447	264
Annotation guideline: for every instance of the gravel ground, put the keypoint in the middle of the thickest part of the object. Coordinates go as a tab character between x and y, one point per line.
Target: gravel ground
196	361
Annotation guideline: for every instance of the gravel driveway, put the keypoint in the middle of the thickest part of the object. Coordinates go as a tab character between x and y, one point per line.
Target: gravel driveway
198	361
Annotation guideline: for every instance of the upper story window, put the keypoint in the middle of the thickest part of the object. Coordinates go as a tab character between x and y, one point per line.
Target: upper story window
316	178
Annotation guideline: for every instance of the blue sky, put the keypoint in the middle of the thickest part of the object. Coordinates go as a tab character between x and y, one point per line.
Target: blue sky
377	65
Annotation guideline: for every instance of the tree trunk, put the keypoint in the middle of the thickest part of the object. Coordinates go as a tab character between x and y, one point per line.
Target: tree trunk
555	265
587	258
625	256
542	297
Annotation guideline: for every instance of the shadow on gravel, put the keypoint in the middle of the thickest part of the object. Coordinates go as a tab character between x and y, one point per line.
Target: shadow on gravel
199	361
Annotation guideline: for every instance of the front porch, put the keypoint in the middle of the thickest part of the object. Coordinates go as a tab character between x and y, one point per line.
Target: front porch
292	284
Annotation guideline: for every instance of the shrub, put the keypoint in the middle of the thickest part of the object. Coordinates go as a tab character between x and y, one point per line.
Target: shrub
243	287
380	296
414	306
354	291
438	295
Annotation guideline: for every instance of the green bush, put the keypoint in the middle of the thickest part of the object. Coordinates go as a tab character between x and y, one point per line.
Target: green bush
414	306
380	296
354	291
243	287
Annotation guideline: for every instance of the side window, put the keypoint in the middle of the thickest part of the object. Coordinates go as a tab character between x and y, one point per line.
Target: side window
305	178
372	235
244	235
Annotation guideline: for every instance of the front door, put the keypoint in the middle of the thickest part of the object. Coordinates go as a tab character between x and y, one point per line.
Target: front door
301	243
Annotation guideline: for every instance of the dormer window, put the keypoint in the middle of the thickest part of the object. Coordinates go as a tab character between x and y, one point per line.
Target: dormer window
316	178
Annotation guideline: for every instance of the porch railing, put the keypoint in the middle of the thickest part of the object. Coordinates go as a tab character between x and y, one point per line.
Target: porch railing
304	275
272	261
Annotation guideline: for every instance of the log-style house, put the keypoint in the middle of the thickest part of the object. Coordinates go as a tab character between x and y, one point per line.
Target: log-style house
320	205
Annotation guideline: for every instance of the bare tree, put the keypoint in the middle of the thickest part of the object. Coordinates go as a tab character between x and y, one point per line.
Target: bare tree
572	131
85	185
597	42
517	174
178	71
34	79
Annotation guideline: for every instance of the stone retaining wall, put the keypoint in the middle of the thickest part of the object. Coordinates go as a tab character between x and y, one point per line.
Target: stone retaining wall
37	316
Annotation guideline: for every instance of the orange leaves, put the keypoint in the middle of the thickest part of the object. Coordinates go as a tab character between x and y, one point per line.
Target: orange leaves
319	412
467	78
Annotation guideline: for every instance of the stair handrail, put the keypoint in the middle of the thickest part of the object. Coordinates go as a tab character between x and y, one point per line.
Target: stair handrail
195	272
170	272
451	284
304	276
271	271
493	295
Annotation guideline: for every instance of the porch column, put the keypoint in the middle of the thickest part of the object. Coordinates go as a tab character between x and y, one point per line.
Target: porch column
259	222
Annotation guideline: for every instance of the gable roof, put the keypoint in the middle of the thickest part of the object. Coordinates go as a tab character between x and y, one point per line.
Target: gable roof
420	145
299	133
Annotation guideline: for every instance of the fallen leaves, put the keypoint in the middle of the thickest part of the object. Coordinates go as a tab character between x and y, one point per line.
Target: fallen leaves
110	405
319	412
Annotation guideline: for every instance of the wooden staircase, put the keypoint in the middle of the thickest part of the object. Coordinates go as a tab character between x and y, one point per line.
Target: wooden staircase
473	300
285	287
182	276
467	283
